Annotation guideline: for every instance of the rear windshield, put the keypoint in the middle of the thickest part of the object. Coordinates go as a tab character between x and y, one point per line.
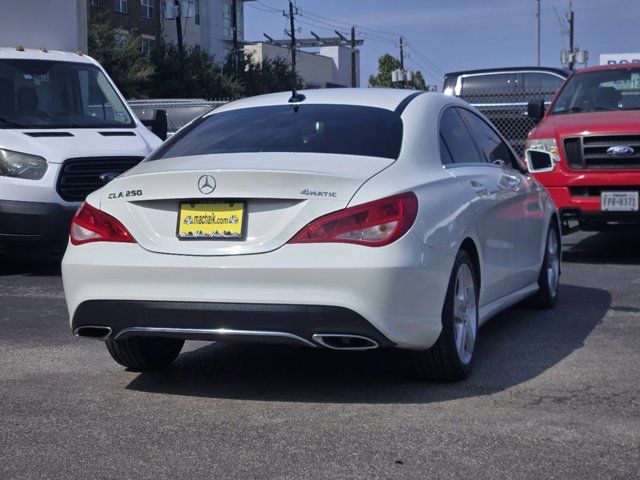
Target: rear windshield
336	129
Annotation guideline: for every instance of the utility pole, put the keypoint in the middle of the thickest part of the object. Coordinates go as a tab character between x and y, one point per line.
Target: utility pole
571	19
401	46
179	30
234	28
353	57
538	17
292	34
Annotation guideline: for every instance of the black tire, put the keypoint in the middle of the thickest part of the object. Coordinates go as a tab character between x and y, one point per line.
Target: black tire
145	353
442	362
546	297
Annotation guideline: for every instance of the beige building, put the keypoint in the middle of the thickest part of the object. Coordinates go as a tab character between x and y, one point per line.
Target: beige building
329	67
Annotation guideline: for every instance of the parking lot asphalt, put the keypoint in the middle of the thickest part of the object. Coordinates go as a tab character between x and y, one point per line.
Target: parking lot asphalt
554	394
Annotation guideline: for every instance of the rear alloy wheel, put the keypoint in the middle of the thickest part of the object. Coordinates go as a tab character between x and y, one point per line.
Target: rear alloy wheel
451	358
145	353
549	278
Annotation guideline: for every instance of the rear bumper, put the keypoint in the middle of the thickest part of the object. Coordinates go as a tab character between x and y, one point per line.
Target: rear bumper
34	225
295	324
394	293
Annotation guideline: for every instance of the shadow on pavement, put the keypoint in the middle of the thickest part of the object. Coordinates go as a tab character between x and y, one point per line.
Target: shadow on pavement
620	247
516	346
37	265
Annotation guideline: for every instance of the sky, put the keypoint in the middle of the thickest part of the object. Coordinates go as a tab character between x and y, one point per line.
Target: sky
450	35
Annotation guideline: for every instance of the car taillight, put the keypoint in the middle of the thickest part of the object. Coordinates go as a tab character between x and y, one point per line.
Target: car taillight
92	225
373	224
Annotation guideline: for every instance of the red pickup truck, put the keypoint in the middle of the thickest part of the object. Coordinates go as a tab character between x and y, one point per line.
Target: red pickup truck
586	147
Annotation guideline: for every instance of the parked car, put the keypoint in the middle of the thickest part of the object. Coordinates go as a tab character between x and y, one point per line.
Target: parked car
65	131
348	219
586	148
502	94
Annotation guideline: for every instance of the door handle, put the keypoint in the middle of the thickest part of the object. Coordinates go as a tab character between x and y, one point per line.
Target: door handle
479	188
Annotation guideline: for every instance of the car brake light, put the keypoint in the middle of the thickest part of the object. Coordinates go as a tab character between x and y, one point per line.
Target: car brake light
373	224
92	225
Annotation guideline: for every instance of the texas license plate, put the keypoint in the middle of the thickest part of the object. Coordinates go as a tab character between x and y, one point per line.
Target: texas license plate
216	220
619	201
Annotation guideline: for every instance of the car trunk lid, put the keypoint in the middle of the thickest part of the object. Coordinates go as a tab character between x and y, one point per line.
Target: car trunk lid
282	192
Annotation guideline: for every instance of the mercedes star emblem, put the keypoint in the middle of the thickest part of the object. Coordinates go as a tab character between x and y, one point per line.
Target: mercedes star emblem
206	184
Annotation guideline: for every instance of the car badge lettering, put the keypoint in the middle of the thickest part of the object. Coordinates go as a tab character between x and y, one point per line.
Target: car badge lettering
313	193
620	151
206	184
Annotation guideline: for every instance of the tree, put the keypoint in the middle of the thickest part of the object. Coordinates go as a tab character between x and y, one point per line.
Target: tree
122	57
387	64
270	75
194	75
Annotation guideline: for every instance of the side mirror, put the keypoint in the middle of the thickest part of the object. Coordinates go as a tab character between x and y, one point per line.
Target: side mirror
160	124
538	161
535	109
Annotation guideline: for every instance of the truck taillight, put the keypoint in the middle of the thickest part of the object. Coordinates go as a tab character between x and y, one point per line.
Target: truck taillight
92	225
373	224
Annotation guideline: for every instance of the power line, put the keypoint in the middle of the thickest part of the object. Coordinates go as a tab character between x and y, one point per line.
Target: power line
326	23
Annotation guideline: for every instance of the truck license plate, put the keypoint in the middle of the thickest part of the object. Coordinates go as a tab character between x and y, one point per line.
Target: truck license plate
619	201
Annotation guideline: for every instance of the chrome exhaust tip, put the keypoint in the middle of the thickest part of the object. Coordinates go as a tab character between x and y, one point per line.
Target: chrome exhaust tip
337	341
91	331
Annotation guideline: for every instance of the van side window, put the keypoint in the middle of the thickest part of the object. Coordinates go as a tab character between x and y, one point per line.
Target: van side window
457	139
492	146
541	82
489	84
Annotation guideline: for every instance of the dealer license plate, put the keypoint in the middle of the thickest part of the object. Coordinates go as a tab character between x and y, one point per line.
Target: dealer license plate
619	201
214	220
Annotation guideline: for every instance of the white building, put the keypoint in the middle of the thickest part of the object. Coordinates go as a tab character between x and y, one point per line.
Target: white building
208	23
329	67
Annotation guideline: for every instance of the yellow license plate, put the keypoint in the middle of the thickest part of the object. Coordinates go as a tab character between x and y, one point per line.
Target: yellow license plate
211	220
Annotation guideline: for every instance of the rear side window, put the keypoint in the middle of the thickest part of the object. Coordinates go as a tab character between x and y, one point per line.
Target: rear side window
488	140
457	140
541	82
489	84
335	129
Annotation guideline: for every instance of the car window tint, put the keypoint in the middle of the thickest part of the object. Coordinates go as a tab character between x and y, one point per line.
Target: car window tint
487	84
493	147
457	137
312	128
445	155
541	82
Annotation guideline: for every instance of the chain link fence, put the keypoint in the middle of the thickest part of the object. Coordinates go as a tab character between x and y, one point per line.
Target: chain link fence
179	111
508	113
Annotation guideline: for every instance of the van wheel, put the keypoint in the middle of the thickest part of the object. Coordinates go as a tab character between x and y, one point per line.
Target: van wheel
451	358
549	278
145	353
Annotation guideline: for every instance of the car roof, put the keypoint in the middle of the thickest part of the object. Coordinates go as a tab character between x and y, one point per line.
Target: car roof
35	54
387	98
617	66
559	71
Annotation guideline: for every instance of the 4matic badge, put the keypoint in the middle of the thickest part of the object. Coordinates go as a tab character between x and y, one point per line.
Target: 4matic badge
313	193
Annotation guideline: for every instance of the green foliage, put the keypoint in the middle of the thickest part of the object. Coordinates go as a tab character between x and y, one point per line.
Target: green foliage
194	74
387	64
121	57
270	75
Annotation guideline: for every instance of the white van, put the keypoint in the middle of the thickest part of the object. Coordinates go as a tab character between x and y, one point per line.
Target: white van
65	131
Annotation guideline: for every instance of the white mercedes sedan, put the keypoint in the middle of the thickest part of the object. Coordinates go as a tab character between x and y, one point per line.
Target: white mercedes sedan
347	219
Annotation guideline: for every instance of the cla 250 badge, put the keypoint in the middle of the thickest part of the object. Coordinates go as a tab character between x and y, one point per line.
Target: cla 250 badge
125	194
313	193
